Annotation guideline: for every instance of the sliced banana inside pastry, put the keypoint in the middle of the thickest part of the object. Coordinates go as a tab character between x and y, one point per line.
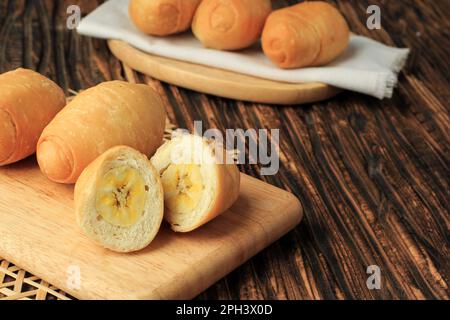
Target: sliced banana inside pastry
183	187
198	181
119	200
121	196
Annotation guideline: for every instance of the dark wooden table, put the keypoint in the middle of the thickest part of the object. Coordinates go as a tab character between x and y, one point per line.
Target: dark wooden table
372	175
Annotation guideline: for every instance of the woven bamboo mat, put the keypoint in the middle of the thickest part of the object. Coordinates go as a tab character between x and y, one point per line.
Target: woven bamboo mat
17	284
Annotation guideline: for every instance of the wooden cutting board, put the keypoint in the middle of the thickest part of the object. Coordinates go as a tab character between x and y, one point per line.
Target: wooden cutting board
219	82
38	233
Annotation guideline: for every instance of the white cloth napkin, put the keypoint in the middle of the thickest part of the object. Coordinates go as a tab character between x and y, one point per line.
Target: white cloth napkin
367	66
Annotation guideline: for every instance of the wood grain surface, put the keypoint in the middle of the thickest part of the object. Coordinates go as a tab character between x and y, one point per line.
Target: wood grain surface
372	175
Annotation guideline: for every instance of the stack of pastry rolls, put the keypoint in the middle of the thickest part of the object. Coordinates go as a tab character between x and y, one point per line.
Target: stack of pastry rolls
311	33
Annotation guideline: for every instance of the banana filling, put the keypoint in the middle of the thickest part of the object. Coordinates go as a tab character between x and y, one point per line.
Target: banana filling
121	196
183	187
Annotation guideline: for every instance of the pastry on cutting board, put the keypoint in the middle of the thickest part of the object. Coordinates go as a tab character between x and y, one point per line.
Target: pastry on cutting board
230	24
197	185
307	34
119	200
28	102
110	114
162	17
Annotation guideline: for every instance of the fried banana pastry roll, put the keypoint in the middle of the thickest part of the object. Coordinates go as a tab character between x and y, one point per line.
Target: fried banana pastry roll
28	102
305	35
163	17
119	200
230	24
110	114
198	184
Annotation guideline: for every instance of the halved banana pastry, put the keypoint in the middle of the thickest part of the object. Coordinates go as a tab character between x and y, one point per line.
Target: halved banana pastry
198	183
119	200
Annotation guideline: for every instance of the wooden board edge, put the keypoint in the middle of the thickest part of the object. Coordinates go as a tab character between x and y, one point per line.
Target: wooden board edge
291	207
177	73
174	290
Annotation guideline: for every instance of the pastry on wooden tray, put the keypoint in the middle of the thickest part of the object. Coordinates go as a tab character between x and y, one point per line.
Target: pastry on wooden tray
307	34
198	186
162	17
119	200
28	102
230	24
110	114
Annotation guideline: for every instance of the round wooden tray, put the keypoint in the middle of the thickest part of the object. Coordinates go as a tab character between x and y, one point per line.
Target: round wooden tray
220	82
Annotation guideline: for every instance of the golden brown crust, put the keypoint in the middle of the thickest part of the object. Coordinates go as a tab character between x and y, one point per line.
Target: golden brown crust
230	24
307	34
28	102
163	17
228	187
110	114
226	193
7	136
